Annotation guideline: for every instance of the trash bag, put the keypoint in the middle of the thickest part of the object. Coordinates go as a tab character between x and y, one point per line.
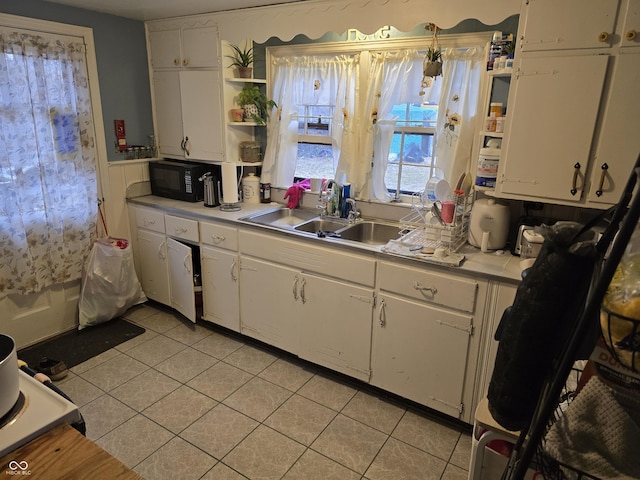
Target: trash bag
109	285
534	330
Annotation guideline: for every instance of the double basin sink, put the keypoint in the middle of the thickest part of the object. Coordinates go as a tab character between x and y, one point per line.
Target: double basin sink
370	232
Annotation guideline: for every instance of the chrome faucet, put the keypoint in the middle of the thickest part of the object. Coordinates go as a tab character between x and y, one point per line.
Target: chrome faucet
326	196
353	214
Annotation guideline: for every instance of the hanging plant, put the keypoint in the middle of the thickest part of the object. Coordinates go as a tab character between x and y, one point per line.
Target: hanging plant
432	65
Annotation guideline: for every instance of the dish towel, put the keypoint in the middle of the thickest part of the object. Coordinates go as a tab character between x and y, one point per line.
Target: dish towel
596	435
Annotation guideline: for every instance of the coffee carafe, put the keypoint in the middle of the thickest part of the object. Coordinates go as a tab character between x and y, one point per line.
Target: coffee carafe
210	199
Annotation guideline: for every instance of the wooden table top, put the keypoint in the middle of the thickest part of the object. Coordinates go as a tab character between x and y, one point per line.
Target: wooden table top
63	453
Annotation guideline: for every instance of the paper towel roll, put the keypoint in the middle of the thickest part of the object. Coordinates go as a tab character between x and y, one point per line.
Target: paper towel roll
229	183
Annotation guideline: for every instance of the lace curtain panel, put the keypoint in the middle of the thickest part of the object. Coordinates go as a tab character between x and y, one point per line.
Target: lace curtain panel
48	180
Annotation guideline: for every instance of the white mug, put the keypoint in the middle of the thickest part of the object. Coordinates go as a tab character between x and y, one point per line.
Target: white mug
437	189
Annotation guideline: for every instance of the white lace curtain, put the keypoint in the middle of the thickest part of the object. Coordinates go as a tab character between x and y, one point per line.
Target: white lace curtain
310	80
395	78
48	181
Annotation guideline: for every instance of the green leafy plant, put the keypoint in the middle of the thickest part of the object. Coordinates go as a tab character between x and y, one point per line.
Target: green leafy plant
242	57
509	48
433	54
251	95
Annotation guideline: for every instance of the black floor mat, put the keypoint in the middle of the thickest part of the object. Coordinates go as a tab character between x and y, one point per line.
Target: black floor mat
78	346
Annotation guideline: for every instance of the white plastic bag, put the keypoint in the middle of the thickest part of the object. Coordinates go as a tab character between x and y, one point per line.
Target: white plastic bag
110	285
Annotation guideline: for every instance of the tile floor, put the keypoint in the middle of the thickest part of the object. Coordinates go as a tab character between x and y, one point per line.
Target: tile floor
192	402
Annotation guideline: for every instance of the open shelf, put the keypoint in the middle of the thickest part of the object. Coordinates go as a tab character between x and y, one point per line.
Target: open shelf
244	80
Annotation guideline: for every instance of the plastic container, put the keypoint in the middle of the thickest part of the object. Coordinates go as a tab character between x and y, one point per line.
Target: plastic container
499	124
490	124
495	108
487	171
251	188
265	192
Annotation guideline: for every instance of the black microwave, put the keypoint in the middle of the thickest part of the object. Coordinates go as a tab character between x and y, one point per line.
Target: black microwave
179	180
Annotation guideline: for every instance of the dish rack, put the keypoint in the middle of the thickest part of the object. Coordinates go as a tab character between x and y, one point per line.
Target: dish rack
427	230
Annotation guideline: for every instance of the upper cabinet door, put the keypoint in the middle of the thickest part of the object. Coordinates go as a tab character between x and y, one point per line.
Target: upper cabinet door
200	47
619	143
631	29
165	49
551	125
547	25
168	113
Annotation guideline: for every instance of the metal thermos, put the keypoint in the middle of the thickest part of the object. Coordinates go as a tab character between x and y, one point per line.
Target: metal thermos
209	190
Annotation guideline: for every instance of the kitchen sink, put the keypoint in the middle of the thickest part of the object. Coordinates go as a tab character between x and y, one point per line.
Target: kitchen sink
372	233
282	217
325	224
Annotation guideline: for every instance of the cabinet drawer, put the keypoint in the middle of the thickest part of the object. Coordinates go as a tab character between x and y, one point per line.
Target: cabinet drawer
219	235
150	219
183	228
436	288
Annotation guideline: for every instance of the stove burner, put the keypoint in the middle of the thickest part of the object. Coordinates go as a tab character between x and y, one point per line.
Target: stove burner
15	411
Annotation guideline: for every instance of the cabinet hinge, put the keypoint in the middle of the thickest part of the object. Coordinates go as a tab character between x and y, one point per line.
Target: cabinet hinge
459	407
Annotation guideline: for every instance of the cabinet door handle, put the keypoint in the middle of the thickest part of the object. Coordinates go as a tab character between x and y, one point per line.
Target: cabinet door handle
180	230
186	147
574	183
176	61
603	175
382	315
161	252
603	36
148	222
185	62
630	35
302	295
234	271
217	239
187	266
294	288
420	288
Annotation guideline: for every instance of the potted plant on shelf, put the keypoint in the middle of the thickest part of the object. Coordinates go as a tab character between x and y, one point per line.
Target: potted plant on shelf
242	59
255	104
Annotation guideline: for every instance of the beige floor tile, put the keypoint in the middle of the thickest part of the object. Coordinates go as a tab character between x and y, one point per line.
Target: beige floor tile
145	389
218	345
428	435
219	430
349	443
185	365
188	333
134	440
78	389
264	454
222	472
327	392
462	453
114	372
139	312
250	359
156	350
135	341
176	459
160	321
103	415
220	381
257	398
179	409
300	419
374	411
313	466
95	361
399	461
454	473
287	374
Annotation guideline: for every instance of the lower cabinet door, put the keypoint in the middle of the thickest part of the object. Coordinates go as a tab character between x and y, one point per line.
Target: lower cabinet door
220	294
420	352
335	327
181	278
154	273
270	310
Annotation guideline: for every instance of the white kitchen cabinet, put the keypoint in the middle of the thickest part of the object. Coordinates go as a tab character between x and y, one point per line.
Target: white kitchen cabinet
188	108
184	47
619	143
154	269
220	274
269	295
180	258
550	126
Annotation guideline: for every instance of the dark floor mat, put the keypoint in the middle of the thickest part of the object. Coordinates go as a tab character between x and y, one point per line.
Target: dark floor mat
78	346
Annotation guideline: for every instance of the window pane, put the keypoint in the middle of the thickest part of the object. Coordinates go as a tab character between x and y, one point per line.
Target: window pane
410	160
314	161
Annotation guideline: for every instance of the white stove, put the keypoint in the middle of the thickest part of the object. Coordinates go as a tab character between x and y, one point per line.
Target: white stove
37	410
